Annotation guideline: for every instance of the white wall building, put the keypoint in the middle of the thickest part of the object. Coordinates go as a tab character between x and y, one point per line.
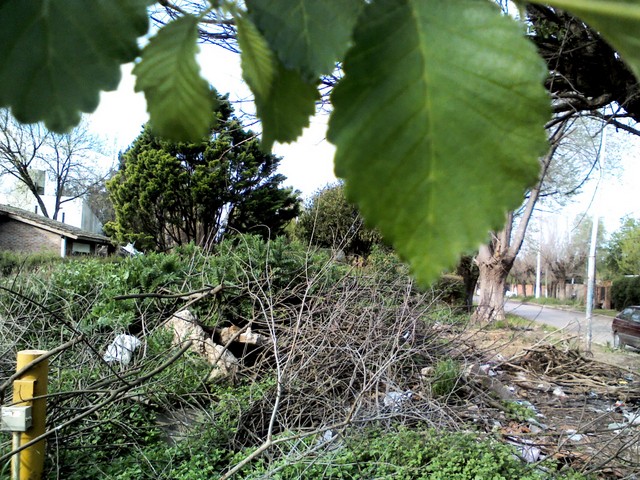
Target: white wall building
75	213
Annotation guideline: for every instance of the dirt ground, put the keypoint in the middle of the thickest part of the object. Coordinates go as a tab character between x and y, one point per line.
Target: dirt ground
580	408
512	341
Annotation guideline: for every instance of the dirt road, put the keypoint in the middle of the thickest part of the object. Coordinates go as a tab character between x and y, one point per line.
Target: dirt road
569	321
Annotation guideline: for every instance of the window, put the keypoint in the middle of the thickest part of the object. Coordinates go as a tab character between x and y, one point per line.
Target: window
79	247
626	313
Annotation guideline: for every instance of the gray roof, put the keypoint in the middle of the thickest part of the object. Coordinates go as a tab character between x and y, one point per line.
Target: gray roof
45	223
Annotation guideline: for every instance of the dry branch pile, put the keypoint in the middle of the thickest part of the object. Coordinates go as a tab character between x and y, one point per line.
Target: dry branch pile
357	350
584	413
346	356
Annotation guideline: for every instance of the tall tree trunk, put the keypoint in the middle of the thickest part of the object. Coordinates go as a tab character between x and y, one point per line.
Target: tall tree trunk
495	259
493	282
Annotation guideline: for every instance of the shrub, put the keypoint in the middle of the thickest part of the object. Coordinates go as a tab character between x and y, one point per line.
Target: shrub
330	221
407	455
445	377
625	291
451	290
13	262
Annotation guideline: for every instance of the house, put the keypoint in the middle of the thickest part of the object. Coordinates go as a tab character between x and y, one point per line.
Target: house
23	231
73	211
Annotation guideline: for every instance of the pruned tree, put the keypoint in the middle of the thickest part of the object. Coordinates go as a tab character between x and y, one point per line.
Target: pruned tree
495	259
573	157
565	255
168	193
34	156
523	272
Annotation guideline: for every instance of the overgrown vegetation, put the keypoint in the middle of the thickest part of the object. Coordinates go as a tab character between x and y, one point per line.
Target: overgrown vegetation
14	263
360	375
168	193
625	291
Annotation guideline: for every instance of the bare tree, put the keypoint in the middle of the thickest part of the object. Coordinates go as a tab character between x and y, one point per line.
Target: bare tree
573	156
564	259
565	254
32	156
523	271
496	258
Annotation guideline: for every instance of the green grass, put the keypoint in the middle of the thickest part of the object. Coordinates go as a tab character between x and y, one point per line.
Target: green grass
553	302
574	304
511	322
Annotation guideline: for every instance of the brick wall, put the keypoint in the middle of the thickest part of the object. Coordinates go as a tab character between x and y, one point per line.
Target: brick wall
20	237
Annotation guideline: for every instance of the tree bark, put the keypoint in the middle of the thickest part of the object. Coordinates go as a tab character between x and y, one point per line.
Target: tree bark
493	281
495	259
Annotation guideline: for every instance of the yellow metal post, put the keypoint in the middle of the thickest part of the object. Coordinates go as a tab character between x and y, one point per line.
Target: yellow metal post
31	384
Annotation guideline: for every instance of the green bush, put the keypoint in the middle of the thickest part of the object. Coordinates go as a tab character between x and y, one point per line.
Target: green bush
13	262
330	221
407	455
282	269
625	291
387	455
519	411
127	444
445	377
450	289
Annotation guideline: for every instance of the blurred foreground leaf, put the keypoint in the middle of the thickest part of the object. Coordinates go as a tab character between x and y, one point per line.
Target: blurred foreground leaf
438	133
57	55
179	100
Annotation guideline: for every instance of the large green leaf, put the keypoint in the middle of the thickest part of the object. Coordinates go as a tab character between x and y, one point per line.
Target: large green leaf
179	100
309	35
285	111
438	124
618	21
258	64
57	55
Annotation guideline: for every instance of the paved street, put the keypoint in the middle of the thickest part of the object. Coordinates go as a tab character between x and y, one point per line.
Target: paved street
570	321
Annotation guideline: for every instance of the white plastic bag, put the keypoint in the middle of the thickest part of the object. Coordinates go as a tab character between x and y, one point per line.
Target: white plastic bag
121	349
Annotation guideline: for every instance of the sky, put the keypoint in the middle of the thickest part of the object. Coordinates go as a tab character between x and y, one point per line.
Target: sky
615	195
308	163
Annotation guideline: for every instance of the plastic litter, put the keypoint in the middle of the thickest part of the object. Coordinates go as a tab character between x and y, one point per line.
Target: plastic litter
527	450
121	349
487	370
395	400
558	392
632	417
131	250
573	435
616	426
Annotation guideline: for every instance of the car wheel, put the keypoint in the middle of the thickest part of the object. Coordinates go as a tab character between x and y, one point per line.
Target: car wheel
617	343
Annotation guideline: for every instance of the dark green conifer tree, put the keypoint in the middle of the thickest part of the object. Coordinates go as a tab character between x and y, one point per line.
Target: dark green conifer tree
168	194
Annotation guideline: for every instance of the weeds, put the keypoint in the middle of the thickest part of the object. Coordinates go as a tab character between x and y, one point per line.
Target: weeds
312	402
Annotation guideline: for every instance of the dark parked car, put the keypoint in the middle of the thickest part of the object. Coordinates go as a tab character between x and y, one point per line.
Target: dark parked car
626	328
